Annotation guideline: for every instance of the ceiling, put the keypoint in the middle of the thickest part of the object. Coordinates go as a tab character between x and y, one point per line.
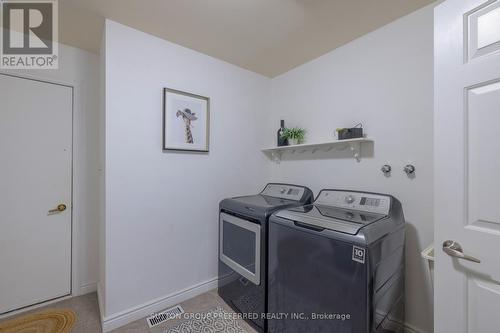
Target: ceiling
269	37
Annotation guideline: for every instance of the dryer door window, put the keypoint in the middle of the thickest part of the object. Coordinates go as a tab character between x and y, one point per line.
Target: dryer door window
239	246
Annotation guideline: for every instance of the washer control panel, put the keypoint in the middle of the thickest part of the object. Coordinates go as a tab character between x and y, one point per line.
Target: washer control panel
284	191
365	202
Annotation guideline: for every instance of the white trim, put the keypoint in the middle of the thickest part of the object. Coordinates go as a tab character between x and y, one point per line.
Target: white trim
14	73
141	311
33	307
87	288
100	300
75	216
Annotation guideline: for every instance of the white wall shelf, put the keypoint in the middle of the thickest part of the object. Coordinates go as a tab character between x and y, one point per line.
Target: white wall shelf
354	145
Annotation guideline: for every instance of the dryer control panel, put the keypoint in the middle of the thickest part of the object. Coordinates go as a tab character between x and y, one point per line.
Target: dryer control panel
284	191
365	202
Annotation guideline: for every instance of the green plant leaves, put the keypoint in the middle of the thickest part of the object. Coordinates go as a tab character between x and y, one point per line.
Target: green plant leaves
296	133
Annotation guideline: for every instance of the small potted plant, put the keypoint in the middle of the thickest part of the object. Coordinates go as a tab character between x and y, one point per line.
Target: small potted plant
294	135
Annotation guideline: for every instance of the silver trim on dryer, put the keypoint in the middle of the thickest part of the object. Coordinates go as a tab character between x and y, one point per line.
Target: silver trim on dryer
250	226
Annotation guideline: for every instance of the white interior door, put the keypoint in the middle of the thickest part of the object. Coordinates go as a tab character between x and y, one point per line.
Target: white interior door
35	177
467	166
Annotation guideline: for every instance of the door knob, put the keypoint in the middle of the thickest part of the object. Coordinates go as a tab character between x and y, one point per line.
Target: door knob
60	208
454	249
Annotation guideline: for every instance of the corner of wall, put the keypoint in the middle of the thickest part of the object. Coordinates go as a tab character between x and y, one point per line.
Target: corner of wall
101	285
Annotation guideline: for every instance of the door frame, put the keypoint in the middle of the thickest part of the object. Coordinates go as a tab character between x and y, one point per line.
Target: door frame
75	213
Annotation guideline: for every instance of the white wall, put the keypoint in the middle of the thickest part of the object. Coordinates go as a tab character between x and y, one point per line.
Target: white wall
385	81
160	242
80	69
162	207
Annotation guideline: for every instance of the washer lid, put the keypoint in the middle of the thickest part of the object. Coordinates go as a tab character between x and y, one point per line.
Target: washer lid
262	201
257	206
332	218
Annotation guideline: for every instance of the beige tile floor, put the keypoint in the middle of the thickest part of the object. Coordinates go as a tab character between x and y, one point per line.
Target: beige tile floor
88	320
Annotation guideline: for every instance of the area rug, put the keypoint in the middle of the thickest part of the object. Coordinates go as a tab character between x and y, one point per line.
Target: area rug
49	321
217	320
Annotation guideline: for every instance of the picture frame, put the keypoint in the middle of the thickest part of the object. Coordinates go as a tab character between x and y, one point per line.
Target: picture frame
186	121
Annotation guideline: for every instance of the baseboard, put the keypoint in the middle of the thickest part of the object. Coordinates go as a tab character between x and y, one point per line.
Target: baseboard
122	318
84	289
88	288
100	300
33	307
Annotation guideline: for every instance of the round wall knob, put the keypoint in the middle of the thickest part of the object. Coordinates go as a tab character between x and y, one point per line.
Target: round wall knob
409	169
386	168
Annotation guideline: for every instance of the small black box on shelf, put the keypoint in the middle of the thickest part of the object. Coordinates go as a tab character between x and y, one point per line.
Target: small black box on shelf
350	133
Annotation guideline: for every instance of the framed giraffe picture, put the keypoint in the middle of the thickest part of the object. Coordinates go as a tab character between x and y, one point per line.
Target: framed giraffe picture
186	121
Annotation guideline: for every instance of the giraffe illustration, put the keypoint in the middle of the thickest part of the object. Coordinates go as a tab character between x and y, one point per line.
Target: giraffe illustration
187	117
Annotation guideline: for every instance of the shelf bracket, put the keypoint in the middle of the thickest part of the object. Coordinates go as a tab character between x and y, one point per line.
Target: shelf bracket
355	148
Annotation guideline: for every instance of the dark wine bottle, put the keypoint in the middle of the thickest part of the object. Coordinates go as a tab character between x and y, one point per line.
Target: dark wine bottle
282	141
